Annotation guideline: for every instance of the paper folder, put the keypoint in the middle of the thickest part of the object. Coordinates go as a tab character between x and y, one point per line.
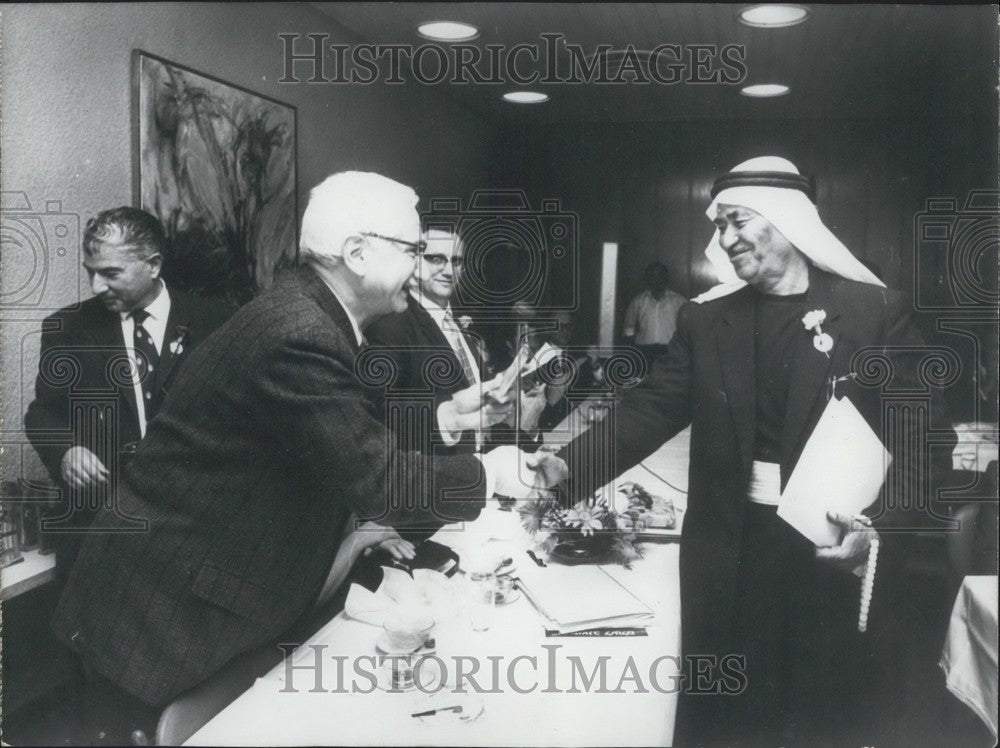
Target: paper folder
841	469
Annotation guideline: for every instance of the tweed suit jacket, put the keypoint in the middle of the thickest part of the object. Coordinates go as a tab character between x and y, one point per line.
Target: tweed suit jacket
706	380
266	443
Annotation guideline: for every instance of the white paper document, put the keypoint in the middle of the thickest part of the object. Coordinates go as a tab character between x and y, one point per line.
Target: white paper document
582	596
524	363
841	469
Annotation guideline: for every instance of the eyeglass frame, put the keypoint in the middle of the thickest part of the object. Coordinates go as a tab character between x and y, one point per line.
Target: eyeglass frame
438	261
419	247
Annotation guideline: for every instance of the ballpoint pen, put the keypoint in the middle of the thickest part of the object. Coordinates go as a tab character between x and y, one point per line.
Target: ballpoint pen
457	709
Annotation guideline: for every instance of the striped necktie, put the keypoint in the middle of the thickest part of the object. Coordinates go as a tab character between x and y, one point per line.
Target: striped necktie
455	339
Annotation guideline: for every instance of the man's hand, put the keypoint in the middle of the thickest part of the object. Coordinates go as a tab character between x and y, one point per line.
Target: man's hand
551	470
472	398
372	536
533	402
520	475
853	548
469	409
513	474
81	468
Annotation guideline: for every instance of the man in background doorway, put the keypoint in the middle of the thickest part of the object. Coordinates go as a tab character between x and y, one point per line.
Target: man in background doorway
651	318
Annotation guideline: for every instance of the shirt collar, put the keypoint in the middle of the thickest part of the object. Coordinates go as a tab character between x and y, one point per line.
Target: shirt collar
433	309
159	308
350	317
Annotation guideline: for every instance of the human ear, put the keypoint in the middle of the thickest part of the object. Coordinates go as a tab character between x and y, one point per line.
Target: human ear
355	254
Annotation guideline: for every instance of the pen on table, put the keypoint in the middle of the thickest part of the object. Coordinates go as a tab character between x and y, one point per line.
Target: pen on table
457	709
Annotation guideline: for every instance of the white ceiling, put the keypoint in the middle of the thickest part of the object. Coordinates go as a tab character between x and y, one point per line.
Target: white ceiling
854	61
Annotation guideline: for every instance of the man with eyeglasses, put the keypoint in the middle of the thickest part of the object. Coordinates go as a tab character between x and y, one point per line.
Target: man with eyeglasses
437	358
272	440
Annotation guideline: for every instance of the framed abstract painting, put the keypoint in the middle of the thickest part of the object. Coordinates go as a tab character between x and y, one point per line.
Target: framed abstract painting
216	163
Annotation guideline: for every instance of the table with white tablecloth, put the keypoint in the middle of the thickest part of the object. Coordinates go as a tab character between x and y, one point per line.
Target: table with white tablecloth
969	659
538	689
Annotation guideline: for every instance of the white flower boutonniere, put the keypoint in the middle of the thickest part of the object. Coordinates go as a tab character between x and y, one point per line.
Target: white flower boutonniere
814	320
465	320
177	344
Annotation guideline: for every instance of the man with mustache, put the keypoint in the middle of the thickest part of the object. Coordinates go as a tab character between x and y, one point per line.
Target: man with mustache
121	350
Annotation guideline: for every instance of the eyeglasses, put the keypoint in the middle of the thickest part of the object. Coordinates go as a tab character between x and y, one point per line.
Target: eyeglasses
413	249
439	261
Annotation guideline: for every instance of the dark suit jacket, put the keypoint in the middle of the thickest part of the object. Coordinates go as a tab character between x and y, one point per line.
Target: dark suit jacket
427	373
706	379
84	397
83	363
266	444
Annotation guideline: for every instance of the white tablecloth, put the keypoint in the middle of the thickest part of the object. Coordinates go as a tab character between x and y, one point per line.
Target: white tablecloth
969	659
633	704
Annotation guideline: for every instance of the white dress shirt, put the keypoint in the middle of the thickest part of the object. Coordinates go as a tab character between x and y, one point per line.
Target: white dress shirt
452	333
350	317
653	321
156	326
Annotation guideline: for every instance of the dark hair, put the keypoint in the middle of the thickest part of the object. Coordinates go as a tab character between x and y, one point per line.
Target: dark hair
657	267
138	231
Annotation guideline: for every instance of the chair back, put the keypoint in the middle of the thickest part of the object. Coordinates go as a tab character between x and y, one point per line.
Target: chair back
190	711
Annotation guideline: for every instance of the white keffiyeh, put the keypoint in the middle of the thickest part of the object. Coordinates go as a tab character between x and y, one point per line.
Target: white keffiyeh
794	215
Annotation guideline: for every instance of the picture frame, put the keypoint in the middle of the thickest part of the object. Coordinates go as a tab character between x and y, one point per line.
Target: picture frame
217	164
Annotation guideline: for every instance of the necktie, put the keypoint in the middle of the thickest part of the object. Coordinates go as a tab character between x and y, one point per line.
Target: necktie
146	360
454	335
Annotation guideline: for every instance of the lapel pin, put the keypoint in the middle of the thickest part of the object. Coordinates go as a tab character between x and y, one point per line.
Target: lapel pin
814	320
177	344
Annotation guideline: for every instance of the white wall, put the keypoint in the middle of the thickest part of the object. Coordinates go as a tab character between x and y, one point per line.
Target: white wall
67	123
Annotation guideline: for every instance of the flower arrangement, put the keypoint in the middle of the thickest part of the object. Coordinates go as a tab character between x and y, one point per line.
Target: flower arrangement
589	531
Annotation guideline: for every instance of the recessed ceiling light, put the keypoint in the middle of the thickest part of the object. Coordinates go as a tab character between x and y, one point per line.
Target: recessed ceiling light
764	90
447	31
525	97
773	16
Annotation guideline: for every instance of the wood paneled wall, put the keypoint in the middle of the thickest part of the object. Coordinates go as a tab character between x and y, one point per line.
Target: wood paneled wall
647	185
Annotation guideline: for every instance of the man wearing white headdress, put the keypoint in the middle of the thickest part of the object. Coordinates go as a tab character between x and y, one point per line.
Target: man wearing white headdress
752	378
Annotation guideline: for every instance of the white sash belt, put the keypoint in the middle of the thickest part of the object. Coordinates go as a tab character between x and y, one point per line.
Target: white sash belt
765	483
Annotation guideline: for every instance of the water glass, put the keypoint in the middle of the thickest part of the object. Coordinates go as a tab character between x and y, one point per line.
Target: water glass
482	603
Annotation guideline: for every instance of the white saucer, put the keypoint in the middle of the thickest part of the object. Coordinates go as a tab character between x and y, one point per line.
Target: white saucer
384	645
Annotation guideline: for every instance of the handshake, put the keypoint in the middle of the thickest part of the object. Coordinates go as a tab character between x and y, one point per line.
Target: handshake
510	471
520	475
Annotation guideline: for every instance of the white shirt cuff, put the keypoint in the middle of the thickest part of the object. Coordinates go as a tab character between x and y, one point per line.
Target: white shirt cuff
448	436
491	478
